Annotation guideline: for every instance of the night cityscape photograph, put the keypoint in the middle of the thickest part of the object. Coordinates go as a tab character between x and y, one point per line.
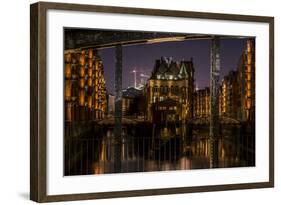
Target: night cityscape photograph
138	101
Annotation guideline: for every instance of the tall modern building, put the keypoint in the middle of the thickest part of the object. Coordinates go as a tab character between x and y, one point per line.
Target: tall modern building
169	91
85	91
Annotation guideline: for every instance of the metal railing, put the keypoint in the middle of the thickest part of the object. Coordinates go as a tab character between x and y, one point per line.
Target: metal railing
141	154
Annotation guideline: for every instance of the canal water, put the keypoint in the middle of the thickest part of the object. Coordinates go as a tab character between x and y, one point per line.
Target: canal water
155	149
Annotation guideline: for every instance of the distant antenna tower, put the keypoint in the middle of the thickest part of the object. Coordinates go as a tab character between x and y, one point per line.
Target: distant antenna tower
135	71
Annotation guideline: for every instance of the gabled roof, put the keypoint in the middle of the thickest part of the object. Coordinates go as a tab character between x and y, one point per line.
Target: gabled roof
166	68
183	72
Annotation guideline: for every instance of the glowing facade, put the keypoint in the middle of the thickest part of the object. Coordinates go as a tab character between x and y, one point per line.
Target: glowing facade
201	104
229	96
169	91
246	77
85	92
236	92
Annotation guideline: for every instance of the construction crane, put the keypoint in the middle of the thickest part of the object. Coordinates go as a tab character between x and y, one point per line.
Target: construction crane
134	71
142	76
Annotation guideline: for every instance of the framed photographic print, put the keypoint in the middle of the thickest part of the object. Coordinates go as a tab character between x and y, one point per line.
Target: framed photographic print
134	102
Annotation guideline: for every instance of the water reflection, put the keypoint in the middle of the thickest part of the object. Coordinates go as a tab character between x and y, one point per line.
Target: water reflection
162	150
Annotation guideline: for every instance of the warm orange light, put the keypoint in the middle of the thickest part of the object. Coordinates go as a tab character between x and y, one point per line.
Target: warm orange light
82	71
249	68
68	70
67	57
82	97
67	90
248	103
90	55
68	112
90	101
81	82
90	82
249	93
97	65
82	59
249	59
248	46
90	63
90	72
249	86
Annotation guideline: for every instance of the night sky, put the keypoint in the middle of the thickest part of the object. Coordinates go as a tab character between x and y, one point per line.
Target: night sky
142	57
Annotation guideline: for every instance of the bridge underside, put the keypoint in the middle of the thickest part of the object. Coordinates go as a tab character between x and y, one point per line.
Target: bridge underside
95	38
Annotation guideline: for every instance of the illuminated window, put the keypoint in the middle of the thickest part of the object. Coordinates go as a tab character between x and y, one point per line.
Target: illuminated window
67	57
249	68
81	97
249	59
81	82
90	101
67	90
90	72
248	46
248	103
68	70
90	55
248	85
82	60
82	71
69	111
